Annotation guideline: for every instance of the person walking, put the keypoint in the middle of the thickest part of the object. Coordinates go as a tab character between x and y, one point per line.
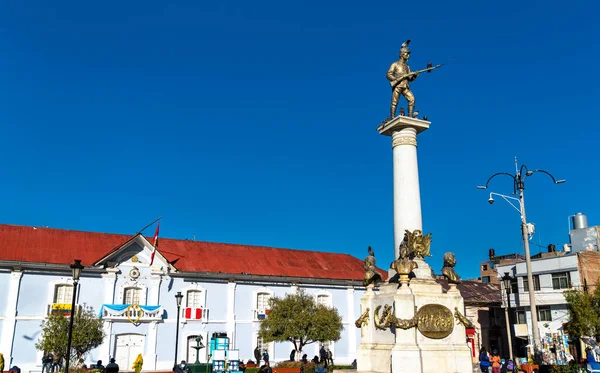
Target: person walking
330	357
484	361
265	356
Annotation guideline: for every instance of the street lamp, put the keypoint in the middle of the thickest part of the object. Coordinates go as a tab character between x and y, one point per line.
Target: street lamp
178	298
76	267
519	185
506	280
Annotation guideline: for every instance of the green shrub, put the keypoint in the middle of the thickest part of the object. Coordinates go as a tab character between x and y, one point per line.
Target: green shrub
252	370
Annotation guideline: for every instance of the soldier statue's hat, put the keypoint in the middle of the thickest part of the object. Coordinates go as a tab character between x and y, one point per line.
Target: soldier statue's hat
404	48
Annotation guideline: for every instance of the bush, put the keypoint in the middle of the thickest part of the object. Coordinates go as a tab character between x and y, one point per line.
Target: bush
252	370
571	368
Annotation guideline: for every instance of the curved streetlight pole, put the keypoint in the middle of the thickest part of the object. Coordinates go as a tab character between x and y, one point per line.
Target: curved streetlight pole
519	185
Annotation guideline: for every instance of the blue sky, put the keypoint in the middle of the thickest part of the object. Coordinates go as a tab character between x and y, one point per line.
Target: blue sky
254	122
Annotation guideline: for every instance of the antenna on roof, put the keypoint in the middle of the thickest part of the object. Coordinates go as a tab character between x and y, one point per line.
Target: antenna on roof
194	236
143	229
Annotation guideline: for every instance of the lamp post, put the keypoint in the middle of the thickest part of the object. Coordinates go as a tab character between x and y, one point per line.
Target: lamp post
506	280
76	267
519	185
178	298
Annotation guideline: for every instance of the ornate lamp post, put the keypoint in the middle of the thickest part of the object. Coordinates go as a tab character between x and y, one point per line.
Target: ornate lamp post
76	267
178	298
506	280
519	185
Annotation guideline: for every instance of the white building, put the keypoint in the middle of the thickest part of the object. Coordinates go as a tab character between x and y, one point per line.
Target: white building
226	288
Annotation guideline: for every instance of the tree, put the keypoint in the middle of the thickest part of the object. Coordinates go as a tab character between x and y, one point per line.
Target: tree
87	334
584	312
297	318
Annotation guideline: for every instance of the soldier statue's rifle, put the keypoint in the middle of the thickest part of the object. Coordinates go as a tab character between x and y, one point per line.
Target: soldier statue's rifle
429	68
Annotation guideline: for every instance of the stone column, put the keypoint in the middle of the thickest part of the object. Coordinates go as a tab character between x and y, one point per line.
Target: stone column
230	326
351	328
109	279
9	323
407	195
153	300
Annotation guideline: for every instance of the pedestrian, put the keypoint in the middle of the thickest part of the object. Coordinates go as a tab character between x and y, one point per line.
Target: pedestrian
266	368
330	357
182	368
265	356
484	360
112	367
323	354
257	355
100	367
496	361
322	368
293	355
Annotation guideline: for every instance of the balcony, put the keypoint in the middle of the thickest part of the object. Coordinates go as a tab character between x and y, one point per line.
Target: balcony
260	314
194	314
130	312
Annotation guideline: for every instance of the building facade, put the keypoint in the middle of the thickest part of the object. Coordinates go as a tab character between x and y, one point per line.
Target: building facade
226	289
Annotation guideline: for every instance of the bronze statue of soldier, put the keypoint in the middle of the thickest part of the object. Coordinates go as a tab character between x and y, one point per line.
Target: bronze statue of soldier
399	75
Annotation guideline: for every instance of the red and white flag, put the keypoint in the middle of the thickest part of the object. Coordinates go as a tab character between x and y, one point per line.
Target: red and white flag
155	244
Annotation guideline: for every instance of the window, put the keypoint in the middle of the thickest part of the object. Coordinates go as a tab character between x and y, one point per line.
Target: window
514	286
544	314
63	294
536	283
194	299
520	317
484	267
262	301
485	279
323	300
132	296
561	280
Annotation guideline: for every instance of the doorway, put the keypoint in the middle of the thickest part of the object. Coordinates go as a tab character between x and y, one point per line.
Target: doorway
127	349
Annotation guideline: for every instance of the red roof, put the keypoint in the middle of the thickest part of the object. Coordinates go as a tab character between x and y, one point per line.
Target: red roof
58	246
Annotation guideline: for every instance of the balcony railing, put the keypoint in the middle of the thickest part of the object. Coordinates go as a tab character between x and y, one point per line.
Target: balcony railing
131	312
260	314
194	314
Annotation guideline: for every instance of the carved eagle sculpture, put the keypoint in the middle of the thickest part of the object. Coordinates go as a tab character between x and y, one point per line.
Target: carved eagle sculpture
462	318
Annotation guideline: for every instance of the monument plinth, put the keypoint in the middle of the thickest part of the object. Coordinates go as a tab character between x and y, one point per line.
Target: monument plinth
410	324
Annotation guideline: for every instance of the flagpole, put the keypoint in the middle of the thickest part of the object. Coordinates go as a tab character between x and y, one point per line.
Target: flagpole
143	229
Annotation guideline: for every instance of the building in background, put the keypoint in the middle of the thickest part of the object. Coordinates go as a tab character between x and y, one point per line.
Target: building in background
553	272
487	270
483	307
226	289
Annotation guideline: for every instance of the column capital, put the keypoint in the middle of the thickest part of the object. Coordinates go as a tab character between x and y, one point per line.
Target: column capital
406	136
16	274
